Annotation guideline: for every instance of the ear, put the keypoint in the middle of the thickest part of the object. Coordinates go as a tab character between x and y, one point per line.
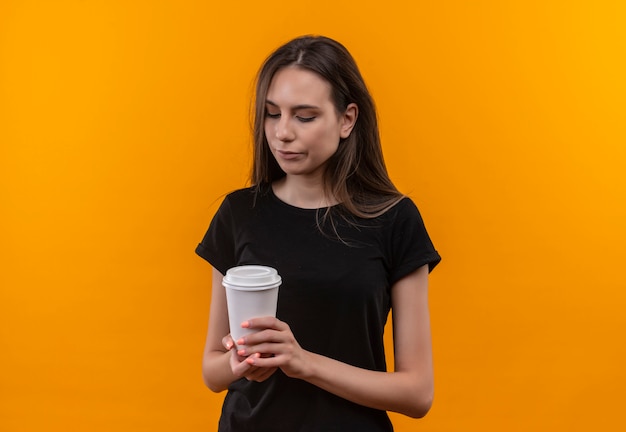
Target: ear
348	120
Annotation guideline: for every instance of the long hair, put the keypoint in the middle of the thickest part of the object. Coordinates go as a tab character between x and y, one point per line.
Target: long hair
355	175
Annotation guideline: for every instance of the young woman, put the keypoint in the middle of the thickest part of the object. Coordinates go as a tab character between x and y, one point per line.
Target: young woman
348	246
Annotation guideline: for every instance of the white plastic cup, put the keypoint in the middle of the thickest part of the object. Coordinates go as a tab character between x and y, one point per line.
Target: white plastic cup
251	292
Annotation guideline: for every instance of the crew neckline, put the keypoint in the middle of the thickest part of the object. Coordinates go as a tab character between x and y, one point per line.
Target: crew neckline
291	206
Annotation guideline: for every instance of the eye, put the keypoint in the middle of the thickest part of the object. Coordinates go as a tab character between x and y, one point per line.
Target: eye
305	119
272	115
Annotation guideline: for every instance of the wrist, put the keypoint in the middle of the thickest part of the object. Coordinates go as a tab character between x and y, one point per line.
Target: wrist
309	363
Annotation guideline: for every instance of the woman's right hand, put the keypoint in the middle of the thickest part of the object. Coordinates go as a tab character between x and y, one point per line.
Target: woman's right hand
241	368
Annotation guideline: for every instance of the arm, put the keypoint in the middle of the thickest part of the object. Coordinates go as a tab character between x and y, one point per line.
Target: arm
407	390
220	364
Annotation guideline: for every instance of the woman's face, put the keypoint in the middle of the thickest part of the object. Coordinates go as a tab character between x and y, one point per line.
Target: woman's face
302	126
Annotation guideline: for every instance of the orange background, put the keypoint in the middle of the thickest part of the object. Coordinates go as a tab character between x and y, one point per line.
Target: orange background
122	123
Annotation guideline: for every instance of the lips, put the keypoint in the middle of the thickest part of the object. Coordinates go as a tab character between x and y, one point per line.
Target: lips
287	155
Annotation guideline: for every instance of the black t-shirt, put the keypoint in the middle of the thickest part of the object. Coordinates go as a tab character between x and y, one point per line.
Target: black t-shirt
335	296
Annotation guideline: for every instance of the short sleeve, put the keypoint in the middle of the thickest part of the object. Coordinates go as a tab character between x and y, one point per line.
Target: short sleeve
218	245
411	245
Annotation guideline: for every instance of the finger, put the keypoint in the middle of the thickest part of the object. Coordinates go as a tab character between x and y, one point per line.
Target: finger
241	369
246	370
238	365
265	322
264	336
264	349
263	362
227	342
259	374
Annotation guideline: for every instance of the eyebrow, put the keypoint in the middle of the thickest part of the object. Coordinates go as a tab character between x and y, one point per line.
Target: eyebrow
296	107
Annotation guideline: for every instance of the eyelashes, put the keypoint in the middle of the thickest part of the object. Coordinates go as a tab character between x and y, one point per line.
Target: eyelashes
305	119
299	118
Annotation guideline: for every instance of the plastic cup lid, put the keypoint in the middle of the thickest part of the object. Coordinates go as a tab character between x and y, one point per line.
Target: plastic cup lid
251	276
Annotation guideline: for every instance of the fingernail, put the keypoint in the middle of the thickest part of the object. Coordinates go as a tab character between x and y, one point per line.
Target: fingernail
241	352
245	324
241	342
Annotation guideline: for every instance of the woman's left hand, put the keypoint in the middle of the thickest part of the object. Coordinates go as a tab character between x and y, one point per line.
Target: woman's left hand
274	345
241	368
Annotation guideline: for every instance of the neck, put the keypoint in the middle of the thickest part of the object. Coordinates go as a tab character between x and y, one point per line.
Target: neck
302	192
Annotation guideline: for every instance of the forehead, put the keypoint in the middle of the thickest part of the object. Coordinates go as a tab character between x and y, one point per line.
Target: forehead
292	85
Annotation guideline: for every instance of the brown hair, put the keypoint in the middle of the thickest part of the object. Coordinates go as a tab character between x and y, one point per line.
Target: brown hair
355	175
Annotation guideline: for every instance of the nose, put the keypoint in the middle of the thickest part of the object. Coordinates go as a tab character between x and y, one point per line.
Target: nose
284	131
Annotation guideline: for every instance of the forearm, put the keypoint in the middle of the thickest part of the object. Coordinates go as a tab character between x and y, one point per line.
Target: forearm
403	392
216	370
408	390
